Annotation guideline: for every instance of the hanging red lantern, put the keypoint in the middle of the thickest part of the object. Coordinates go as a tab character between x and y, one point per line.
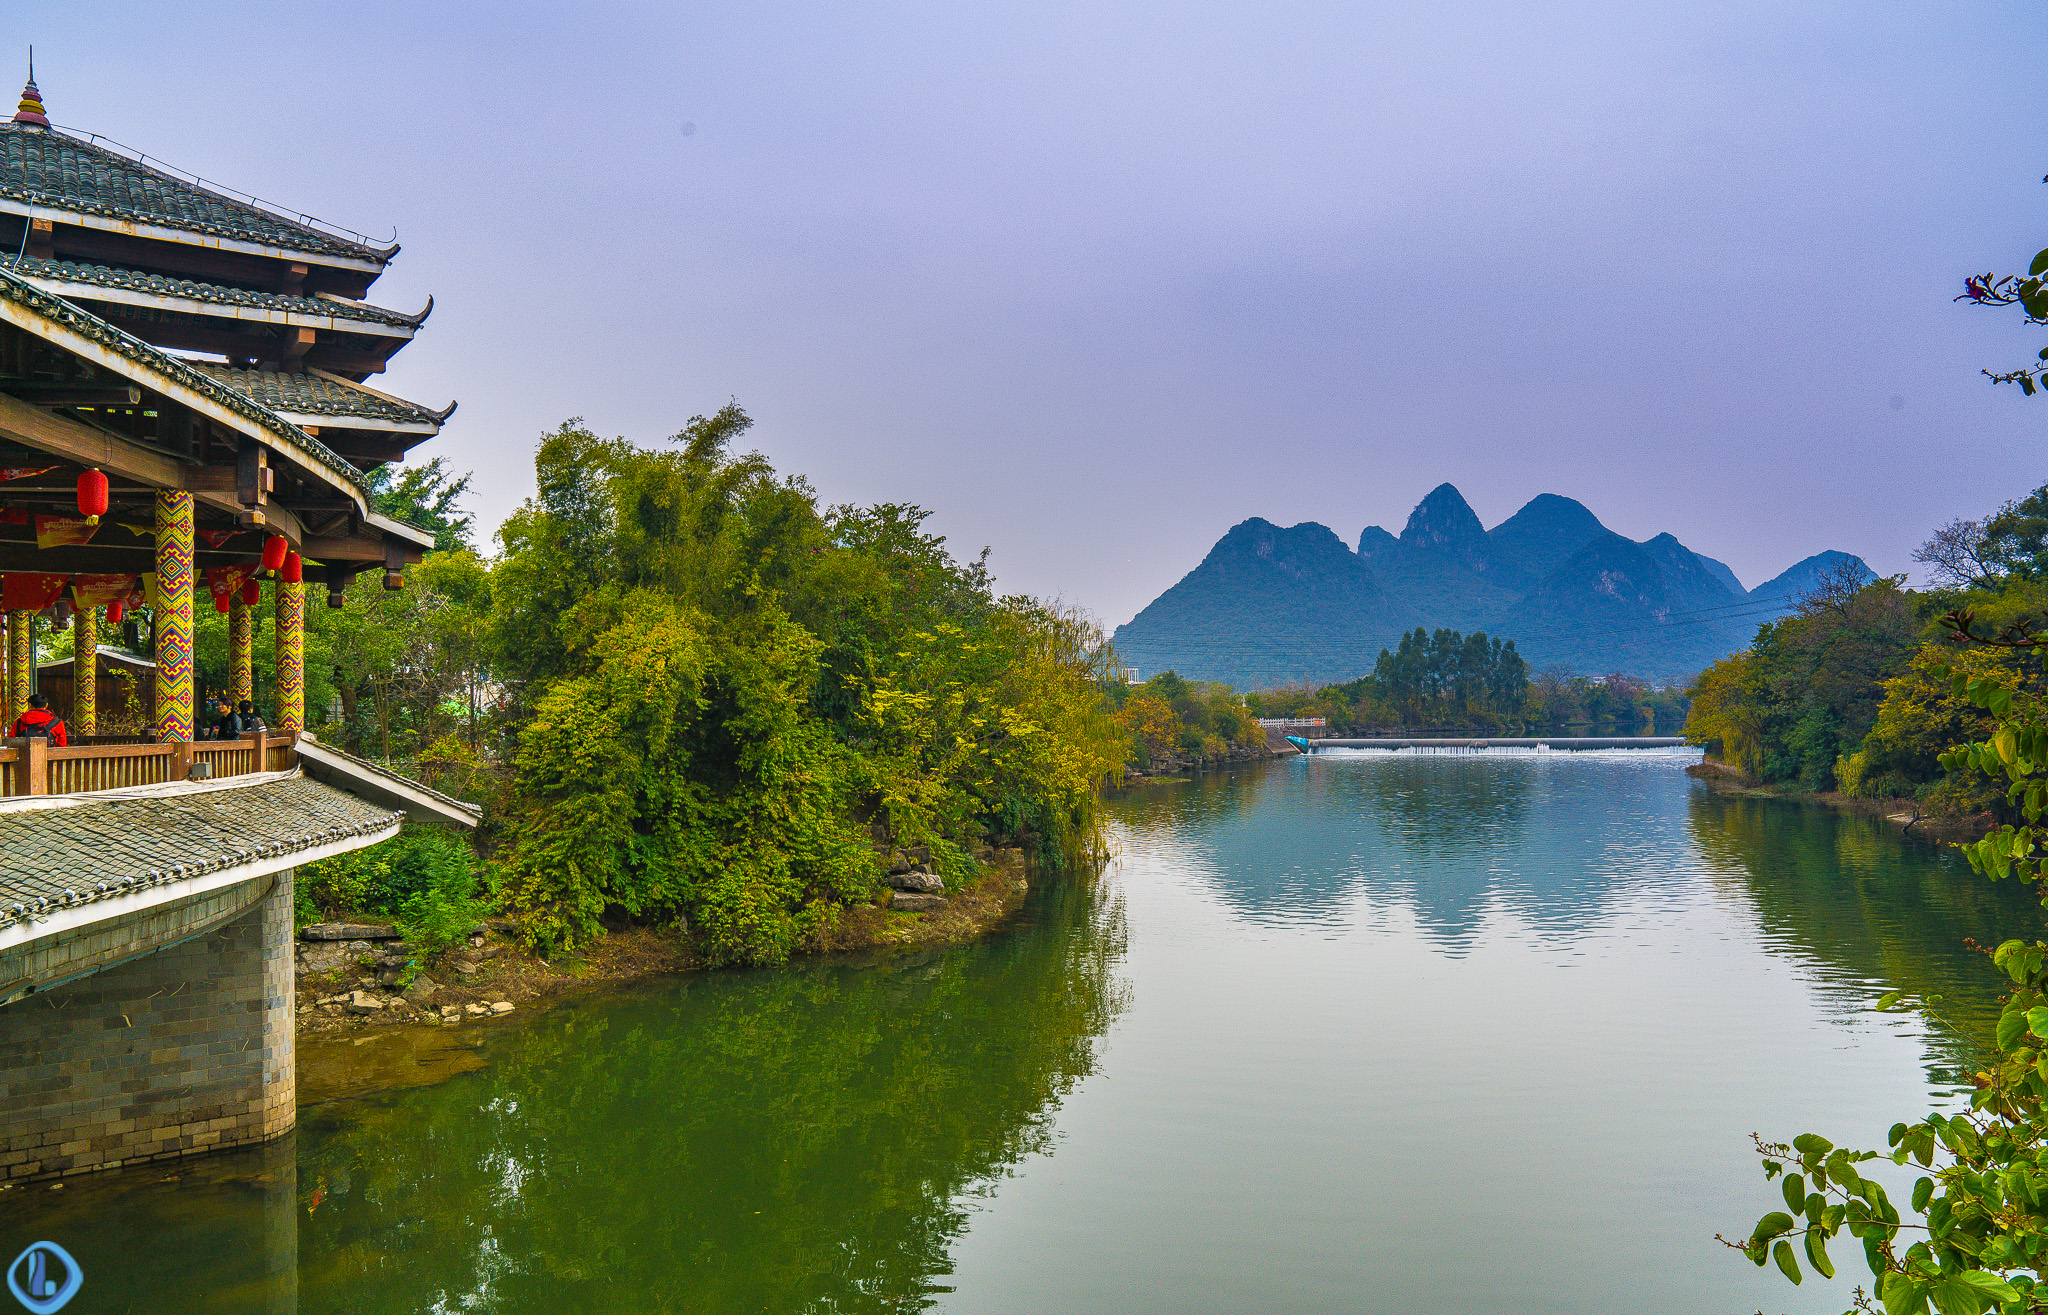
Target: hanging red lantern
253	592
274	549
294	569
114	611
220	603
92	495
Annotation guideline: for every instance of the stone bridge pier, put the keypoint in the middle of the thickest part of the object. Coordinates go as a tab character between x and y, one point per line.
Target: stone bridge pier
146	966
163	1052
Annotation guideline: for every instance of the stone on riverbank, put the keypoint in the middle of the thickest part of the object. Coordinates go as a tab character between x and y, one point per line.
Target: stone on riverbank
502	1007
904	901
349	931
422	988
918	883
364	1002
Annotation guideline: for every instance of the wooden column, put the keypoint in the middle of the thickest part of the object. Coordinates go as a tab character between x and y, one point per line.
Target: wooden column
241	651
21	664
173	615
85	671
291	658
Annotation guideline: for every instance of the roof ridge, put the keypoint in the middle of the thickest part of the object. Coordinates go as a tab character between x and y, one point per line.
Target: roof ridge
71	138
23	292
385	397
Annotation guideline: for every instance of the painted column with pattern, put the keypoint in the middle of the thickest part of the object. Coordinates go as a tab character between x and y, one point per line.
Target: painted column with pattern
173	615
291	658
15	699
85	671
241	651
21	663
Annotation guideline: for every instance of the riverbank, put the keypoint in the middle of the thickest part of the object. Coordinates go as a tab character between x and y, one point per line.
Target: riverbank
1902	813
350	986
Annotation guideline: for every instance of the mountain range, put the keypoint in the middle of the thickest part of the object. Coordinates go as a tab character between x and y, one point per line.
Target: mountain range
1274	606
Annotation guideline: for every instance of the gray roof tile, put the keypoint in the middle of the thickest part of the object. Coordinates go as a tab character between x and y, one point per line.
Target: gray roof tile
312	394
108	845
45	166
162	285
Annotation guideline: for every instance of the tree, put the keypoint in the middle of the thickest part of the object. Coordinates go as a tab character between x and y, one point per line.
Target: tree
1954	556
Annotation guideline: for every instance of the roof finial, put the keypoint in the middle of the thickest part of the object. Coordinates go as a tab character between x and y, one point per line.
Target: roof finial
31	108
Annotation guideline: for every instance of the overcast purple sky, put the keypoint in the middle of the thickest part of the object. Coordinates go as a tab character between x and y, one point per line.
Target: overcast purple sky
1094	283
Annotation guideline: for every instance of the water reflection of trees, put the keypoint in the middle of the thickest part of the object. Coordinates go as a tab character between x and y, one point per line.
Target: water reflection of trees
806	1138
1448	837
1877	913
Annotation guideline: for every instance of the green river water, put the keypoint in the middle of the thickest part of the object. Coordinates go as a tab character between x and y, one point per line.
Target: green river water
1361	1032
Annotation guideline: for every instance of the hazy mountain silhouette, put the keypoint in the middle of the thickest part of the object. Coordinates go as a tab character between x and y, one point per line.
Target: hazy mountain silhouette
1271	606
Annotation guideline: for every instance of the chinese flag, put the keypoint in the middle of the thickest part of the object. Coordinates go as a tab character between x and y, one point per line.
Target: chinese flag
99	590
30	591
59	531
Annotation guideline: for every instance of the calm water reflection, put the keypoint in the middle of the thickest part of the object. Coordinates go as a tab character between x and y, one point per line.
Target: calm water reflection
1358	1033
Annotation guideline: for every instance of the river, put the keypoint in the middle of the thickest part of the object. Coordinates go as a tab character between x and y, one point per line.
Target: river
1362	1032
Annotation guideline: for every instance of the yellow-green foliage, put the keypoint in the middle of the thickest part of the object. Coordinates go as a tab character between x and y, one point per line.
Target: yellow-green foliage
728	690
1922	718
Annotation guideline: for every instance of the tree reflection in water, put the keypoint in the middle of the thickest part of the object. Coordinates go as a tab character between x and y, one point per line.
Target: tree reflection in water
804	1138
1877	913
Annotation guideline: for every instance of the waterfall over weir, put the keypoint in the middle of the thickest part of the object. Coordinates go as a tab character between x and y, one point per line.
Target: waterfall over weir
1523	744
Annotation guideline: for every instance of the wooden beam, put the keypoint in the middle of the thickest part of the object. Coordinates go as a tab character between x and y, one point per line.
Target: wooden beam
322	548
297	342
360	450
71	441
41	238
291	281
63	393
252	474
341	361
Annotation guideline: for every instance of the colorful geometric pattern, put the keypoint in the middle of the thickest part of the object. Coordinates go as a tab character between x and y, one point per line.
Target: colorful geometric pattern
241	651
291	658
173	615
85	671
21	664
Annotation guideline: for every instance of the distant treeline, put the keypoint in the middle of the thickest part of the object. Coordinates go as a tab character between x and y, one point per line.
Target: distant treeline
1851	693
1438	680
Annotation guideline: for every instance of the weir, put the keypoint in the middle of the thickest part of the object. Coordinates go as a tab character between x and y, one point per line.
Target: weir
1565	742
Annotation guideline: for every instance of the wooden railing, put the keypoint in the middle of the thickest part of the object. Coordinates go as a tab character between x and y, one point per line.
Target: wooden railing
34	766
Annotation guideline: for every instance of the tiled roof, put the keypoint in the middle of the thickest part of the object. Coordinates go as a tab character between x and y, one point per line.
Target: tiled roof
117	842
24	293
160	285
314	394
368	768
46	167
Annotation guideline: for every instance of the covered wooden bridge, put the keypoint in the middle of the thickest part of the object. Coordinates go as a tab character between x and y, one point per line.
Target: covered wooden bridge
146	877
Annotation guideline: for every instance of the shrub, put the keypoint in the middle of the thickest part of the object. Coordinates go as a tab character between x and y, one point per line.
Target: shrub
425	878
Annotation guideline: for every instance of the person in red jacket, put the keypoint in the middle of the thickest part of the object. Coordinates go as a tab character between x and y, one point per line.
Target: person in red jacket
39	720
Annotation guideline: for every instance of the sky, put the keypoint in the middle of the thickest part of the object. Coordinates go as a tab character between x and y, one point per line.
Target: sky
1095	283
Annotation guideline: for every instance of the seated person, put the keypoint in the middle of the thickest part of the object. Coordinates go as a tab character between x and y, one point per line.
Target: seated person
40	721
251	719
226	725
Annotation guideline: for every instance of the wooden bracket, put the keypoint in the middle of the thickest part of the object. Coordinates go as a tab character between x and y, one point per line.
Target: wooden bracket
42	239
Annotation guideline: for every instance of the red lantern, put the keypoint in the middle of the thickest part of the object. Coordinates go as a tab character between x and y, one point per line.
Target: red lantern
114	610
92	495
274	549
220	602
252	592
294	569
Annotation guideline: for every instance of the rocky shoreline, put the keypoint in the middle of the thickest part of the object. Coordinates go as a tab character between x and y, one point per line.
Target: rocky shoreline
1902	813
358	975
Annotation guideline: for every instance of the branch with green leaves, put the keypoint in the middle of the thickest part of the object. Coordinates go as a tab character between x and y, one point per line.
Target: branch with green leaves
2031	295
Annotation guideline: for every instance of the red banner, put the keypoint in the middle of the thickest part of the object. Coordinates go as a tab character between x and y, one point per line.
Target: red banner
30	591
64	531
215	538
99	590
23	472
226	581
